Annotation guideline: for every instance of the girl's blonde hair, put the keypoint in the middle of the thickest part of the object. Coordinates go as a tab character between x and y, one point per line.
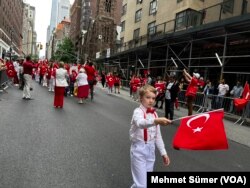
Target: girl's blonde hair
147	88
61	64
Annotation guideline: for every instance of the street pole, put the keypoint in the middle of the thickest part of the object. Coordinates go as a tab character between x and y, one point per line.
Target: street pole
10	43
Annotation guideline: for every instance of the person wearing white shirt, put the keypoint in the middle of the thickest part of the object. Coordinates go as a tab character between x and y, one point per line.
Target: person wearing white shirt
60	84
145	134
83	86
223	89
236	92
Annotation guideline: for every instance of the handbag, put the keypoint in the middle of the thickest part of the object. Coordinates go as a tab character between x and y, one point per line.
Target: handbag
75	90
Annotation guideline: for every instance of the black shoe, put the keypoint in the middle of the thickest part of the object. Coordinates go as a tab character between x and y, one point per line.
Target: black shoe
29	99
24	98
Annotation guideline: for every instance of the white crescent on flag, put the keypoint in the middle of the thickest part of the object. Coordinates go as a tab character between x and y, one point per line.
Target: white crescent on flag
247	95
197	129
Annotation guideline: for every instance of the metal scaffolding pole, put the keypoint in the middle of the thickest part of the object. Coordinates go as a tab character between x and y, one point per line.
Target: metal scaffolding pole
223	57
166	65
190	54
149	57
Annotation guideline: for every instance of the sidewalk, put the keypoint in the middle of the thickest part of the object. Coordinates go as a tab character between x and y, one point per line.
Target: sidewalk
235	132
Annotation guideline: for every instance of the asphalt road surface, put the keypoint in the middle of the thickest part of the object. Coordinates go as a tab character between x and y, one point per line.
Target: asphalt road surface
86	145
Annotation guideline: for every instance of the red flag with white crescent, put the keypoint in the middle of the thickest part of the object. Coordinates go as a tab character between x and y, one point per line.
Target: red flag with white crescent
240	103
202	132
246	92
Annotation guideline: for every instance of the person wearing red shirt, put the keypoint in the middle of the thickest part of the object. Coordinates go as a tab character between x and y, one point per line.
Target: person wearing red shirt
160	86
27	76
72	80
42	72
191	89
136	84
110	82
90	70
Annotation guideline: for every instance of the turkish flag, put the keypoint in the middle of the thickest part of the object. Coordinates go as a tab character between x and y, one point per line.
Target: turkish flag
245	93
240	103
202	132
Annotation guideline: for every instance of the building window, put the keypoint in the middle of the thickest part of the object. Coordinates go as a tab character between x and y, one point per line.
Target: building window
178	1
228	6
86	4
105	34
180	20
138	15
123	26
188	18
136	34
153	7
138	1
108	5
124	9
151	28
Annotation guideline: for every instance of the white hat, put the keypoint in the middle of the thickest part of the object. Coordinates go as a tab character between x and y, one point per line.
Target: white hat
197	75
82	70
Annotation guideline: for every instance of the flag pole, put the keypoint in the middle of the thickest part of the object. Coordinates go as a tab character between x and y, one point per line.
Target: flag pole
177	119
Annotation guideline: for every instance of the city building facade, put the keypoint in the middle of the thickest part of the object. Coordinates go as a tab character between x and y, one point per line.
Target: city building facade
75	26
160	37
28	33
11	13
60	10
101	33
62	31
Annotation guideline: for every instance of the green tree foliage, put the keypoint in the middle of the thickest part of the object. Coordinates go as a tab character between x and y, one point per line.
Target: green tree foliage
65	52
34	57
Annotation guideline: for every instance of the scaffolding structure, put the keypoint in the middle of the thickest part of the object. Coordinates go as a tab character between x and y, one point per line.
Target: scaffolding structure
193	48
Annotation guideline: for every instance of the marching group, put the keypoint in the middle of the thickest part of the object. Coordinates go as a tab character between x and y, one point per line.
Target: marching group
58	77
61	78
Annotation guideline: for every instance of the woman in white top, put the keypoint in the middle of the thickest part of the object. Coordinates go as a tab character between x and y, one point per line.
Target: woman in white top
60	84
82	84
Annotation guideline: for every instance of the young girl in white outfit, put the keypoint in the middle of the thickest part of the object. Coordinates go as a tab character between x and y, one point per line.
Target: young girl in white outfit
145	134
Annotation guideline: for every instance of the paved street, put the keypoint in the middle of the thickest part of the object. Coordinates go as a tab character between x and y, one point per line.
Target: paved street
86	145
